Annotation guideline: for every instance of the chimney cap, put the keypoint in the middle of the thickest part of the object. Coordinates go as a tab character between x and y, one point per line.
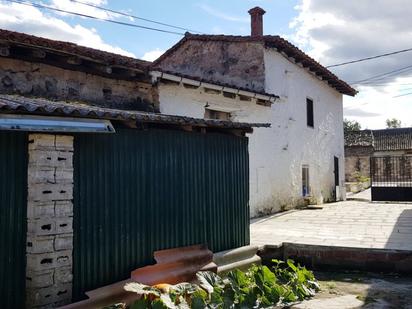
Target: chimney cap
257	10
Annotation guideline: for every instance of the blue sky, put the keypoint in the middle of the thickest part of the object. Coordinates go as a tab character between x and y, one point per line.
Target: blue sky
221	17
329	31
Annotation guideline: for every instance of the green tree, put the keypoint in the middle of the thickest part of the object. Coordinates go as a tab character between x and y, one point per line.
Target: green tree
393	123
351	125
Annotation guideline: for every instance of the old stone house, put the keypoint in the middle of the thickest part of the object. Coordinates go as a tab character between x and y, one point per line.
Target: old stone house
93	179
384	145
264	78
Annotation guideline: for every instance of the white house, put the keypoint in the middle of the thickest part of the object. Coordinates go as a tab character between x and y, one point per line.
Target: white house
262	78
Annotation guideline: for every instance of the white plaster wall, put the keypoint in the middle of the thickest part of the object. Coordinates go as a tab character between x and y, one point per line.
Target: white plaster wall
295	143
277	153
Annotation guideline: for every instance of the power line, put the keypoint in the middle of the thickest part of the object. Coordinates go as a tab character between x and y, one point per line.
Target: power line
402	95
370	58
383	75
387	84
133	16
40	6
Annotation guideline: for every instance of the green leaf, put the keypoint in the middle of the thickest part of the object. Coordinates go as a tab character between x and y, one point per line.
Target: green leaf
184	288
140	304
159	304
199	299
238	278
141	289
291	265
116	306
209	280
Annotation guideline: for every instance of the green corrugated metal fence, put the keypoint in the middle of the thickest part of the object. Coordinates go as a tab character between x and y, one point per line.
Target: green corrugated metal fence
13	207
141	191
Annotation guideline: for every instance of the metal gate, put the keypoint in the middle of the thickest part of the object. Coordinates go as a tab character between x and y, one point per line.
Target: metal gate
140	191
391	178
13	208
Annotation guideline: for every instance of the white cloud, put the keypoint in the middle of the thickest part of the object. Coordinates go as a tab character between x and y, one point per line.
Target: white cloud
222	15
31	20
153	54
80	8
339	31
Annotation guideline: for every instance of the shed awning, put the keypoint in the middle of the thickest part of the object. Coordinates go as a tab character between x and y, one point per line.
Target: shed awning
40	106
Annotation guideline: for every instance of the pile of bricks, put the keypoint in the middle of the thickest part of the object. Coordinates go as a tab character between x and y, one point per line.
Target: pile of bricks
49	220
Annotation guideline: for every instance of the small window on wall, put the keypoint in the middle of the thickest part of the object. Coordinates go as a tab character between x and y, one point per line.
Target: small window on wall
305	181
309	112
218	115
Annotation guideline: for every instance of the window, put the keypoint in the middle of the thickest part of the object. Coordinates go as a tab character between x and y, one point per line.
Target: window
305	180
309	112
213	114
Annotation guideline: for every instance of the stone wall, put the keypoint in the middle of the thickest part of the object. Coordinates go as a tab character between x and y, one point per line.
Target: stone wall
49	220
356	166
235	63
46	81
357	162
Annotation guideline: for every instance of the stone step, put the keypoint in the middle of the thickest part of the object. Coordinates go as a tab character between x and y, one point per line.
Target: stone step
241	258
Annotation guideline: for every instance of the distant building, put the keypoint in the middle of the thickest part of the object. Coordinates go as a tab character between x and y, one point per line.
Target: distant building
360	146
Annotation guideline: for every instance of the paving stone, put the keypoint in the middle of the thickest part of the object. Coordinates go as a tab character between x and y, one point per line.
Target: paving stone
360	224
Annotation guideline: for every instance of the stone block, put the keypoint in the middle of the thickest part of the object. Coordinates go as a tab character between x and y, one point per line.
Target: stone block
40	244
64	225
50	192
41	141
49	295
64	175
63	275
39	227
40	279
42	174
37	210
63	242
50	158
64	142
64	208
44	261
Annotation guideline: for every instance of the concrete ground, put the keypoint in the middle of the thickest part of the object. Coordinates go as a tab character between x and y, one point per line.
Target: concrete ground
348	224
363	195
360	290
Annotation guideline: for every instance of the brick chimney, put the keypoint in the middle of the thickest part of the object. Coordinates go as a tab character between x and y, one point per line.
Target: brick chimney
256	16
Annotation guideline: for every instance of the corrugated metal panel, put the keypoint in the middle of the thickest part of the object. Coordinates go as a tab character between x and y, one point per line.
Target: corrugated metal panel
141	191
13	207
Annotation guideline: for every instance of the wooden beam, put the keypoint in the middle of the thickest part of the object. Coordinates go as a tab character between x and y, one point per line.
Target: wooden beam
38	53
4	51
74	60
187	128
102	68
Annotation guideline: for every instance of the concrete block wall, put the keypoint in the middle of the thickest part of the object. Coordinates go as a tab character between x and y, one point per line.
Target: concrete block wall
49	221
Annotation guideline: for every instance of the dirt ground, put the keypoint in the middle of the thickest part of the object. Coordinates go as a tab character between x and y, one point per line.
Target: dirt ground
360	290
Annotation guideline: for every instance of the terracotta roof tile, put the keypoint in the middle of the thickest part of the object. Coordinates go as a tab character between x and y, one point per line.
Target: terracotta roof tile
73	49
381	140
39	106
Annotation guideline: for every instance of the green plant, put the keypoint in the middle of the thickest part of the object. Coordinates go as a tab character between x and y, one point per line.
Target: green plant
359	177
259	287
